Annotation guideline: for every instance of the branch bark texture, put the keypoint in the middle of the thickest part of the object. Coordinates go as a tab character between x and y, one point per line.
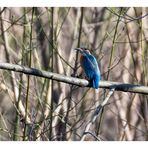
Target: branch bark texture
75	81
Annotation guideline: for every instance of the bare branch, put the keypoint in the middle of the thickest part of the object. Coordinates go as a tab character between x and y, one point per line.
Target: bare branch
75	81
96	114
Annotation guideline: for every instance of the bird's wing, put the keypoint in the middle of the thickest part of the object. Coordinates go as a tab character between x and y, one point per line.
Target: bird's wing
90	66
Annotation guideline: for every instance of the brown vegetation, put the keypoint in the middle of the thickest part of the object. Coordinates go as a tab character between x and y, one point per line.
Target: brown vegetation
35	108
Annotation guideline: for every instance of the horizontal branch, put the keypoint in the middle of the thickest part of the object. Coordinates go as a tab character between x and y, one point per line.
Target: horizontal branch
75	81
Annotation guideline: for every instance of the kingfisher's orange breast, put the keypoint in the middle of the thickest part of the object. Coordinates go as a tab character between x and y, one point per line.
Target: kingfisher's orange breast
81	61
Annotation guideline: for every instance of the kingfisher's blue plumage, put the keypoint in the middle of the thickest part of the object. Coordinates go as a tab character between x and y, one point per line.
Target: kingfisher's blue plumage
90	66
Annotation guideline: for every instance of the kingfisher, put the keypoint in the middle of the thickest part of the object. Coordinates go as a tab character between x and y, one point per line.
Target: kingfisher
90	66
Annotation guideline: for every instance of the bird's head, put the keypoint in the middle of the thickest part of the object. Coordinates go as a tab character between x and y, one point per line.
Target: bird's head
83	51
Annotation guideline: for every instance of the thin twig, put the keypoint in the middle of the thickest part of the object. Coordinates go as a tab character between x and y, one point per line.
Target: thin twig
93	135
28	80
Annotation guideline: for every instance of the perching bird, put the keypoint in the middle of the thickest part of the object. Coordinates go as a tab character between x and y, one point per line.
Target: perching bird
90	66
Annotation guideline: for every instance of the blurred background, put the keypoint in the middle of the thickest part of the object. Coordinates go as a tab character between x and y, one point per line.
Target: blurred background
34	108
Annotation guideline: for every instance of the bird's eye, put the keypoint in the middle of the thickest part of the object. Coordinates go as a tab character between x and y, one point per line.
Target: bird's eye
85	49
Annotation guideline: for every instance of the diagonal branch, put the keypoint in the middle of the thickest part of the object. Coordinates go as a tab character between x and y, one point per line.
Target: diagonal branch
75	81
96	114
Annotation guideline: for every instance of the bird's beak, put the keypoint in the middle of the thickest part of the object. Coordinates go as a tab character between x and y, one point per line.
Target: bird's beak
79	49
